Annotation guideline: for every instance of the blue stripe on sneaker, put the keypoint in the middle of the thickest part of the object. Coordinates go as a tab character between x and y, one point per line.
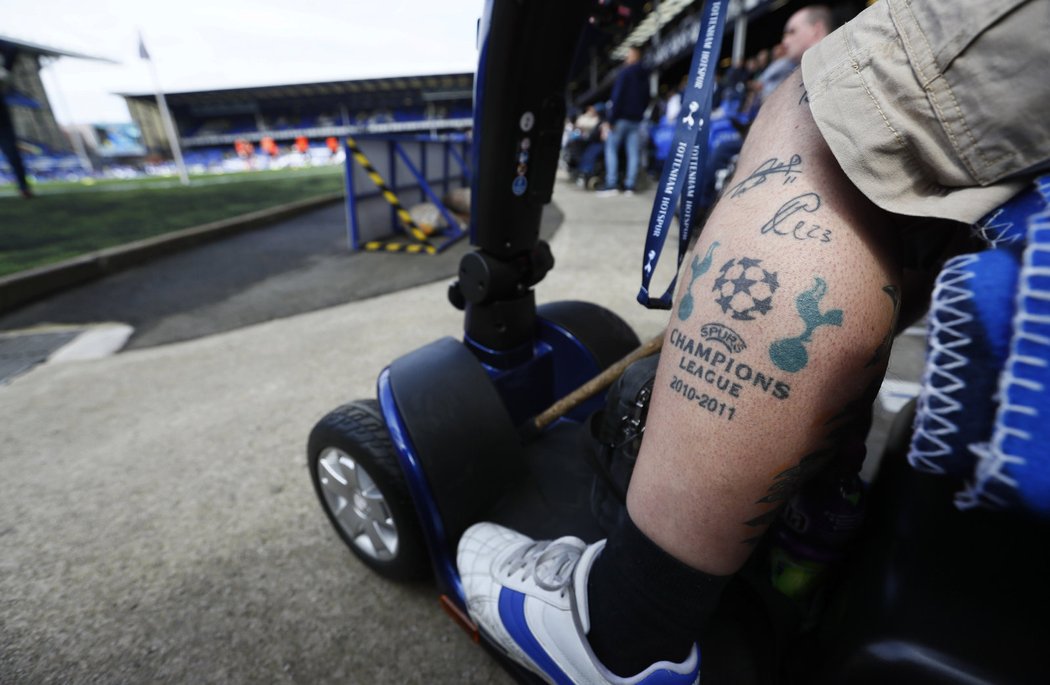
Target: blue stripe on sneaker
512	613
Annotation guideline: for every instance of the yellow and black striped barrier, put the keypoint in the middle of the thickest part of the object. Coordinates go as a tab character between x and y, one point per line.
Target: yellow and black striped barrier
389	246
424	245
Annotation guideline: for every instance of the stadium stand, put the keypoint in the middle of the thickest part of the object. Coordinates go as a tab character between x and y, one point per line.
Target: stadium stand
215	120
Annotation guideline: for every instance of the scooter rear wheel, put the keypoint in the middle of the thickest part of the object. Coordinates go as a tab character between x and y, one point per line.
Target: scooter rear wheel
357	477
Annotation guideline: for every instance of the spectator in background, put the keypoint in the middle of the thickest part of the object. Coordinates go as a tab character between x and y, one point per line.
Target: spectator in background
732	86
674	100
662	133
588	121
584	146
630	99
803	30
8	139
757	63
590	126
773	75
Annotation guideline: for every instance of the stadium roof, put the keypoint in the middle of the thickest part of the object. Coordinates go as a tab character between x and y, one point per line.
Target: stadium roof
433	88
38	49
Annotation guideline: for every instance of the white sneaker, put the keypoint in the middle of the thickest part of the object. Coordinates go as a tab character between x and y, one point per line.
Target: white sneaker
529	598
607	192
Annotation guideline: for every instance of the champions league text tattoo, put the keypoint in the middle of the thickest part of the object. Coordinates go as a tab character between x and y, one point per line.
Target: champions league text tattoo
789	171
717	332
702	400
779	224
699	268
710	378
731	340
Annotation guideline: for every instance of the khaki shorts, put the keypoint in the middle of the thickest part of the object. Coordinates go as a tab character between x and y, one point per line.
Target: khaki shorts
936	108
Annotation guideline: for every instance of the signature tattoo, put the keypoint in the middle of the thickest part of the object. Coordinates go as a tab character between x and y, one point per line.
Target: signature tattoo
790	170
883	350
699	268
745	288
790	354
805	94
807	202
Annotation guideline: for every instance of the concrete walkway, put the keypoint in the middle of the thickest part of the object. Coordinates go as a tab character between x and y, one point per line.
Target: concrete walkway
157	521
289	267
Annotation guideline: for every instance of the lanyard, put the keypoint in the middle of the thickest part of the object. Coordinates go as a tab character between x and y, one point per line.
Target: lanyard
688	150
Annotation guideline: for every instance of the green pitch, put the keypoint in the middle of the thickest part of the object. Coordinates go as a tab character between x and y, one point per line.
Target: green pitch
69	219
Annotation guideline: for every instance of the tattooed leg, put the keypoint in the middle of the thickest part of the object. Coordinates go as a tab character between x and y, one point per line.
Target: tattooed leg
775	351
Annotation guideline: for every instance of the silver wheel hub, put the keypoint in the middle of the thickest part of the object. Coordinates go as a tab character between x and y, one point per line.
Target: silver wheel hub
357	505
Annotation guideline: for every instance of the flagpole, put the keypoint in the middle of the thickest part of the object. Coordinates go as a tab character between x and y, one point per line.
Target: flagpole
165	115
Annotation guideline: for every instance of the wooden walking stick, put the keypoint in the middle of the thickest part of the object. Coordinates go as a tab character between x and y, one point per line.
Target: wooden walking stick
535	426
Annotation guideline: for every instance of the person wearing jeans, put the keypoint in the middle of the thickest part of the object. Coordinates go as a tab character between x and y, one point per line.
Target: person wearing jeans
623	133
630	98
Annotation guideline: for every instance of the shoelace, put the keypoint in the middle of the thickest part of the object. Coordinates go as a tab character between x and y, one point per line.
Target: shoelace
550	563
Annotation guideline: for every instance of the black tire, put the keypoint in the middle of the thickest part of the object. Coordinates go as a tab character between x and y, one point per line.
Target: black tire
358	480
605	335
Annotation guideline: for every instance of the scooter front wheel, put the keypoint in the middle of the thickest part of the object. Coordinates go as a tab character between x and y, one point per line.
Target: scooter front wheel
357	477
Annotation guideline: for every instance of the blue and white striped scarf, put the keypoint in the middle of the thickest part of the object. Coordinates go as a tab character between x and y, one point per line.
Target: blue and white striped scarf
984	409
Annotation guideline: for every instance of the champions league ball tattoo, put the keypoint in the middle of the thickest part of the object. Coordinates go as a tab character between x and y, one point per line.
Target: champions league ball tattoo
745	288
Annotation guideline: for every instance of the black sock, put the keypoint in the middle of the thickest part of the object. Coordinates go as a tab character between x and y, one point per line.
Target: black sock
645	606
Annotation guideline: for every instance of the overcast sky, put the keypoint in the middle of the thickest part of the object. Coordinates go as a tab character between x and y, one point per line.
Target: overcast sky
205	44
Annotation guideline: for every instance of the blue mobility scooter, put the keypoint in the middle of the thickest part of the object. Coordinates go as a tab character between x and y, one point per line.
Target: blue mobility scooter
923	593
442	446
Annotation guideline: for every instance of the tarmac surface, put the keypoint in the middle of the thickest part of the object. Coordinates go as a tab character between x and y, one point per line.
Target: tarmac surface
295	266
157	520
